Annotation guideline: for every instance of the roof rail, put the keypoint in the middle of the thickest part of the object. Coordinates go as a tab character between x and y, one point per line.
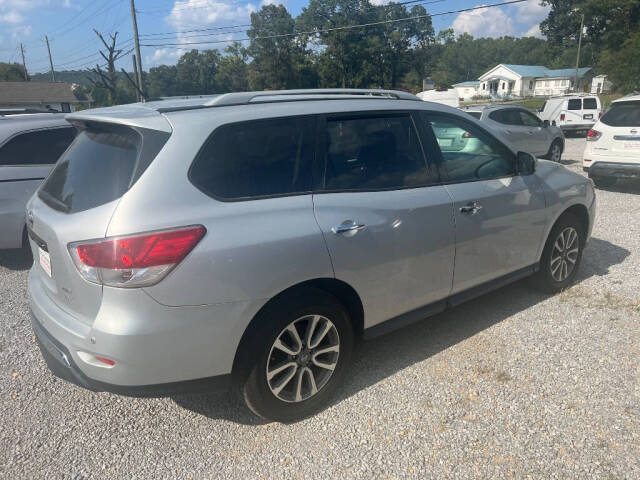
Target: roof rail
245	98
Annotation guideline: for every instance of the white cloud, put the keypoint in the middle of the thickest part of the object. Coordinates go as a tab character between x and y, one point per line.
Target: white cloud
534	31
12	16
484	22
531	12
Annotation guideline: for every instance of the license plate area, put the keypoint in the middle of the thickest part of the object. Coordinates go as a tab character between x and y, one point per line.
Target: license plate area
588	116
44	259
631	145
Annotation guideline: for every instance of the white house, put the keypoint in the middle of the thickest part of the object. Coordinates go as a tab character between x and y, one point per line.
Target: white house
505	80
600	84
467	90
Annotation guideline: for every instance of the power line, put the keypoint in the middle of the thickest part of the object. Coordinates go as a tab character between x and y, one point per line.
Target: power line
327	30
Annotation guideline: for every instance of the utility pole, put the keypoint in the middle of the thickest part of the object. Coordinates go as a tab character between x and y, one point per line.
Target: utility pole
135	78
24	64
575	85
53	75
137	42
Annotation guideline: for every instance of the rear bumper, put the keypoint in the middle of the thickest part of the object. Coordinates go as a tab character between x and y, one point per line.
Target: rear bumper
614	169
61	364
576	127
157	350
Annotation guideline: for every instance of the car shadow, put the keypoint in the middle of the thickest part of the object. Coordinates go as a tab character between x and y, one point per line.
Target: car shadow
624	186
16	258
382	357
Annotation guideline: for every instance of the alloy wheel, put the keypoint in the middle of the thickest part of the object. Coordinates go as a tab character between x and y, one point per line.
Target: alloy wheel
556	153
303	358
564	254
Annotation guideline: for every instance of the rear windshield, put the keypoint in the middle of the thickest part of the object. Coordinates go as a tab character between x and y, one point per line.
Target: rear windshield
622	114
97	168
475	114
574	104
589	104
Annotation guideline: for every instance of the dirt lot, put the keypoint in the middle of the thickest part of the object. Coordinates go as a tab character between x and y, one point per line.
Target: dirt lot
512	385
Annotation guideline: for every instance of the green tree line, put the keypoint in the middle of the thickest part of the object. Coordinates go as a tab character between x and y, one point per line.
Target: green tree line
315	50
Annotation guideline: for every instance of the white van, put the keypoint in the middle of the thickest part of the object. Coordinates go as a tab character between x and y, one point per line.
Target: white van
572	113
445	97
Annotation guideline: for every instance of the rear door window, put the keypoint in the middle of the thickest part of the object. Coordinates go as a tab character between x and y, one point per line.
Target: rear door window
96	169
373	153
256	159
507	117
574	104
590	103
622	114
40	147
528	119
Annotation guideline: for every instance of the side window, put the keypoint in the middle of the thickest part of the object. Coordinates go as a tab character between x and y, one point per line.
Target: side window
469	153
529	120
574	104
372	153
507	117
498	116
590	103
42	147
256	159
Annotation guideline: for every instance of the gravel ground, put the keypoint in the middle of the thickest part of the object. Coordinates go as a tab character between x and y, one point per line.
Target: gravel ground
512	385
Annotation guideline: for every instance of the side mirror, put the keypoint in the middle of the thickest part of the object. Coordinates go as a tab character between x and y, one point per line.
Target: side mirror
526	163
545	123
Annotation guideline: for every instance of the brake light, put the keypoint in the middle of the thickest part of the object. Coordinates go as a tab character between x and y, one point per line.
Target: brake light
134	260
593	135
562	117
468	135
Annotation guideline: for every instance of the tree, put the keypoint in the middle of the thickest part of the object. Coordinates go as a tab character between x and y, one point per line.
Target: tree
107	80
232	69
11	72
161	81
273	49
196	72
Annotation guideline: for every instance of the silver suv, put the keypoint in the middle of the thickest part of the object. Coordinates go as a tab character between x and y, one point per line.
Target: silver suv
522	129
249	239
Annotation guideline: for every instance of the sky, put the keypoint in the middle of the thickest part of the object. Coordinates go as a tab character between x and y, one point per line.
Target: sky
69	26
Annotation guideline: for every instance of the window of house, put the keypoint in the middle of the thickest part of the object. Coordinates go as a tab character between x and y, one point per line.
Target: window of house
373	153
469	153
256	159
530	84
41	147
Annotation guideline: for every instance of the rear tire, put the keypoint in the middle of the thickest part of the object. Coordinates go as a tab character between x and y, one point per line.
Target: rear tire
561	256
555	151
298	356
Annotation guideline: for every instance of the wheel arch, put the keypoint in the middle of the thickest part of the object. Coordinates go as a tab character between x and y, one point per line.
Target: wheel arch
579	211
343	292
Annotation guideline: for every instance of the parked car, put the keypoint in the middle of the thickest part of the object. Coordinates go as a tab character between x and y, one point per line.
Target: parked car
613	144
29	146
523	129
445	97
249	239
572	113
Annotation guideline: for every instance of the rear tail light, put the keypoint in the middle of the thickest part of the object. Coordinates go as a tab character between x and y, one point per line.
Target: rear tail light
593	135
599	115
134	260
562	117
468	135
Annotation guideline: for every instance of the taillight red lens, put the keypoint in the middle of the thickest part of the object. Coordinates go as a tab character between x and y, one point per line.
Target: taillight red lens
562	116
135	260
142	251
593	135
468	135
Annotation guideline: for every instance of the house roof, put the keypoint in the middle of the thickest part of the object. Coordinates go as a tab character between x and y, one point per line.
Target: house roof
540	71
18	93
470	83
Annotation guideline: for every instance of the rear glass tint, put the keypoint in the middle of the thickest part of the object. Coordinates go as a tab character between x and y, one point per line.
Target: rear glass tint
622	114
97	168
40	147
574	104
590	104
256	159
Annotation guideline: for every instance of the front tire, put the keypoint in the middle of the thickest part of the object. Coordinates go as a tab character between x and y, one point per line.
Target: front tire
301	354
561	256
555	151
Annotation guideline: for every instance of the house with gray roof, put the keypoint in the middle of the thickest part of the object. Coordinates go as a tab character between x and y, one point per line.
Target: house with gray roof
506	80
37	96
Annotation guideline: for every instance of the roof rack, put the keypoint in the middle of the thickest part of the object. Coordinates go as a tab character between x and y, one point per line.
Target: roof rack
245	98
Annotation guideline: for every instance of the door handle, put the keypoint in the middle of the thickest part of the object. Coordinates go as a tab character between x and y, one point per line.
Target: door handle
348	227
471	208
